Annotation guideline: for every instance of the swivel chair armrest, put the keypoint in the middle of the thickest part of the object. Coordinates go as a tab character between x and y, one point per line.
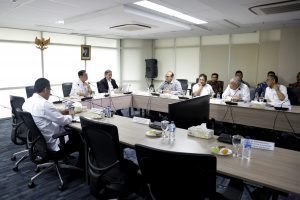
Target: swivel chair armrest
58	135
68	129
101	171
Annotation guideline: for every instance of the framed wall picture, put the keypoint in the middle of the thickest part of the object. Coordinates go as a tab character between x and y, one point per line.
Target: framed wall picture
85	52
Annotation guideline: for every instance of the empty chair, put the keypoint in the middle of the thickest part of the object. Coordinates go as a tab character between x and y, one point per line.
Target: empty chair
111	176
19	130
40	154
184	84
222	84
252	92
98	86
177	175
66	88
29	91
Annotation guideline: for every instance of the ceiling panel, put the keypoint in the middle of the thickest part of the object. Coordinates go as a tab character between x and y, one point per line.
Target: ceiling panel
94	17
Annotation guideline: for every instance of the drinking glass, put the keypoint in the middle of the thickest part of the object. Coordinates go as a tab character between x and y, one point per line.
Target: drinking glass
261	99
236	142
164	127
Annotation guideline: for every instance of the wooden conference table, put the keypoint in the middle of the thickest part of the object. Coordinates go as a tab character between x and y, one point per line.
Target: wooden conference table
278	169
242	114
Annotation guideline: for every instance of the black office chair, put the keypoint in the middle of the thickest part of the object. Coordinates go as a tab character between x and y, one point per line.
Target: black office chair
184	85
294	95
40	154
252	92
111	176
222	85
66	88
29	91
19	130
192	85
98	86
177	175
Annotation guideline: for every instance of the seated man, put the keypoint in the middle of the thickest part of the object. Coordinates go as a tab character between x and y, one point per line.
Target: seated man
49	120
215	84
107	84
261	87
236	91
239	73
275	93
170	85
202	88
296	84
81	87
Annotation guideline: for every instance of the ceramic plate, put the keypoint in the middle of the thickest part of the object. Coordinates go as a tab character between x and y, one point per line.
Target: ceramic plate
229	152
153	133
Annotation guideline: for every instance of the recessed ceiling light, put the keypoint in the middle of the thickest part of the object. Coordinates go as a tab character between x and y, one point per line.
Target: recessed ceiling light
60	22
168	11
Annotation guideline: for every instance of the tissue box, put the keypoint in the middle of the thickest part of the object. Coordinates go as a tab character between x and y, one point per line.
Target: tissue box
201	132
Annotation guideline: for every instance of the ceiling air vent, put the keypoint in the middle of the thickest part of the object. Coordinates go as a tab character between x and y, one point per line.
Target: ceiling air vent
130	27
275	8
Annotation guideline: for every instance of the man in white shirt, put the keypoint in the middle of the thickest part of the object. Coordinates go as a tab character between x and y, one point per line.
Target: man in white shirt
49	120
81	87
236	91
202	88
275	93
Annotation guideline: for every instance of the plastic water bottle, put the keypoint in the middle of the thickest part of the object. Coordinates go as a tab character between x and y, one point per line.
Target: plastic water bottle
172	129
246	153
256	96
218	96
108	110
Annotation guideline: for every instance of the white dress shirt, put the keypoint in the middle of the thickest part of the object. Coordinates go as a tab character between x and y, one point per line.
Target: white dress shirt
80	87
272	97
47	119
110	86
206	89
242	91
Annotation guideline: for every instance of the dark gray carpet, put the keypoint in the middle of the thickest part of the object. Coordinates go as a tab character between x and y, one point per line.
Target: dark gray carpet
13	185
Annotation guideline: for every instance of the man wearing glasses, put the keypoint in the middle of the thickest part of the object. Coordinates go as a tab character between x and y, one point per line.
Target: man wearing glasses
49	121
170	85
81	87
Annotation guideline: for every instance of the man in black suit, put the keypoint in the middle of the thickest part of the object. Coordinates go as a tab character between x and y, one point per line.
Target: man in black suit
107	84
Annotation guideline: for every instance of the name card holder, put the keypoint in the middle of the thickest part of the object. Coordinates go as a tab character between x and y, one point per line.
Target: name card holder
259	144
141	120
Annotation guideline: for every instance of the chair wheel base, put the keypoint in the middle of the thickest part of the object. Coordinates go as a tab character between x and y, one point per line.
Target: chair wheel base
13	158
31	184
61	187
15	168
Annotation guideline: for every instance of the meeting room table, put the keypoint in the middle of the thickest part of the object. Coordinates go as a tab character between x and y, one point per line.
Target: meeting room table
277	170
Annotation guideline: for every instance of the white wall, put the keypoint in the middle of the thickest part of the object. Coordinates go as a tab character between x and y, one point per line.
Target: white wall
133	55
253	53
289	55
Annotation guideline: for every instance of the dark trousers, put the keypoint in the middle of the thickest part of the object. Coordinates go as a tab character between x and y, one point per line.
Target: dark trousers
74	144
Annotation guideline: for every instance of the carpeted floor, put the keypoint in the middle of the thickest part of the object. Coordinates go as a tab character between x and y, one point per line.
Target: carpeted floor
13	185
